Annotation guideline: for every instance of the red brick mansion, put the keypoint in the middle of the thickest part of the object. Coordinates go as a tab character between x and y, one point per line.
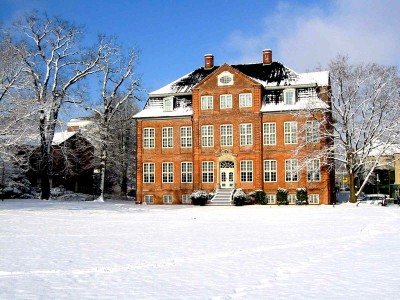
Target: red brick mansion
234	126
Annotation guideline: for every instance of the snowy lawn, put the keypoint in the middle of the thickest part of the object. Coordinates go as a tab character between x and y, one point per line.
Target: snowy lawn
119	250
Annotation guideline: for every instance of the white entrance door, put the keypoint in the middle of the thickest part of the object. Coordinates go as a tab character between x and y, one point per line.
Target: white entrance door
227	178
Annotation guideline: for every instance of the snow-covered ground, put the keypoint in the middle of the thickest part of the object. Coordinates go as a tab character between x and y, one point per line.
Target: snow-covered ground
119	250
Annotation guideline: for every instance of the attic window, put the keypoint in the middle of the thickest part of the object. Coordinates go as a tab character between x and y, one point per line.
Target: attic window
289	96
225	78
168	104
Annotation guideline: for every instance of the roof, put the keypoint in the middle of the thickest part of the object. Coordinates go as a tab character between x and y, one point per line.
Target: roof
274	74
268	75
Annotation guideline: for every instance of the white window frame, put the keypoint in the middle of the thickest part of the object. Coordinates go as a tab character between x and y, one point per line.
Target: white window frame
270	198
207	102
269	133
225	101
313	199
167	199
313	170
246	134
149	138
226	135
149	172
167	172
186	137
186	172
271	169
167	137
289	96
312	132
148	199
225	78
291	170
168	103
292	198
290	132
246	171
186	199
207	136
207	171
246	100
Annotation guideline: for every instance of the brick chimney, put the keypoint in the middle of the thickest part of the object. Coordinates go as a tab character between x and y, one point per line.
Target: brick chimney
267	56
208	61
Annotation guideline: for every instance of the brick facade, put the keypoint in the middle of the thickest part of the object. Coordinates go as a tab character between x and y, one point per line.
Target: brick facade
242	156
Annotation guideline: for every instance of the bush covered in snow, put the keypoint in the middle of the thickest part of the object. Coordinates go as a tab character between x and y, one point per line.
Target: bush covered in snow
239	197
199	198
259	197
301	196
18	187
282	196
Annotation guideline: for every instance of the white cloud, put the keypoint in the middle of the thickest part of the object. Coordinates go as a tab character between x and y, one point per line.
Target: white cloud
303	37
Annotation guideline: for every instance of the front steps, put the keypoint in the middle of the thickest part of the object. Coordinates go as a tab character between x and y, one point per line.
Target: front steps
222	197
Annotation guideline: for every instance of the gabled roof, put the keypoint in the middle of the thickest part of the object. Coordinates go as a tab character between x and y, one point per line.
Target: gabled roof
274	74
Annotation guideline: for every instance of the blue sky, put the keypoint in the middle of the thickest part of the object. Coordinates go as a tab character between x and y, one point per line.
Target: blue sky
173	36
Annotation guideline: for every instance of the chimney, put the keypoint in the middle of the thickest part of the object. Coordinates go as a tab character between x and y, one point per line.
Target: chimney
208	61
267	56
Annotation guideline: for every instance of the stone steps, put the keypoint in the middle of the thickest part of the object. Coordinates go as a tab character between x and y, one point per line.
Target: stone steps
222	197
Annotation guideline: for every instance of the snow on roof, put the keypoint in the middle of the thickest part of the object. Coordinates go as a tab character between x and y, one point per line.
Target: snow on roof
303	104
274	74
60	137
157	112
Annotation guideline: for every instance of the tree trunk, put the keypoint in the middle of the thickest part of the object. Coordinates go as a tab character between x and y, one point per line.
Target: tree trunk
103	164
353	198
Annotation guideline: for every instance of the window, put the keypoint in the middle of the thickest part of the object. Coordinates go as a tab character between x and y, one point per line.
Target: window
313	199
186	137
225	101
291	170
148	137
206	102
225	78
312	132
289	96
207	136
270	169
313	170
168	172
168	104
167	199
207	171
290	132
246	170
246	134
226	135
167	137
148	199
292	198
186	199
186	172
148	173
269	133
245	100
270	198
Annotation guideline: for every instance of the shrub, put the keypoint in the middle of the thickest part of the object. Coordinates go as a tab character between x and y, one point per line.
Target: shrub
239	197
199	198
282	196
301	195
259	197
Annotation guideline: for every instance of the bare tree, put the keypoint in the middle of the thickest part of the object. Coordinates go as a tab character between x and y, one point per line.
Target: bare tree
56	63
365	110
119	85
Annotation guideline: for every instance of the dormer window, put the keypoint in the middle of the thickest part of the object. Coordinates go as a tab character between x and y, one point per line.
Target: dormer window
289	96
168	103
225	78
